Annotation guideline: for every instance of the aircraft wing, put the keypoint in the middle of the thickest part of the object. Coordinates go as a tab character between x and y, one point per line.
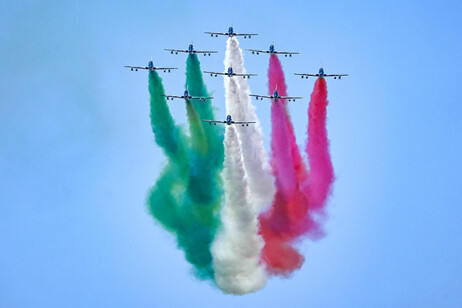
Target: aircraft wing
244	75
290	98
172	96
201	98
215	73
260	96
306	75
216	33
335	75
176	50
286	52
212	121
245	34
240	122
258	51
200	51
137	67
164	68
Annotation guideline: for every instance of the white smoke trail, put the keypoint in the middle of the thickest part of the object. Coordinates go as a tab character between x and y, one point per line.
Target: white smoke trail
237	246
239	105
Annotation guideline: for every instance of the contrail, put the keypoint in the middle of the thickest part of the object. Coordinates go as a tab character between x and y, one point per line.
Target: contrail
236	249
260	179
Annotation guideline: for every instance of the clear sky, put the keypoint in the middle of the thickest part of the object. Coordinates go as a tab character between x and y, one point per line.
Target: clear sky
77	155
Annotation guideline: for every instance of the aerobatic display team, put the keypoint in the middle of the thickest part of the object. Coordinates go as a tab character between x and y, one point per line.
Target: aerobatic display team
237	212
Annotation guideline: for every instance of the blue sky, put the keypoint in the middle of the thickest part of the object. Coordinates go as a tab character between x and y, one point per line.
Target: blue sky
77	155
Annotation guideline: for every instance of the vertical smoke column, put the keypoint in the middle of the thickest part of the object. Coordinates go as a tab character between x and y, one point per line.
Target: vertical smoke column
239	105
205	184
318	187
236	249
179	200
287	218
196	85
166	194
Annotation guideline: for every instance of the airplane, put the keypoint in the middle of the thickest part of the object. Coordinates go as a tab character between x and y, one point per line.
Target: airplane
231	33
229	121
276	96
191	51
188	97
272	51
230	73
321	75
151	68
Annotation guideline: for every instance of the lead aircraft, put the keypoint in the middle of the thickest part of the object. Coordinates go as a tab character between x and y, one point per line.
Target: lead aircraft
230	33
276	96
230	73
191	51
273	52
229	121
151	68
321	75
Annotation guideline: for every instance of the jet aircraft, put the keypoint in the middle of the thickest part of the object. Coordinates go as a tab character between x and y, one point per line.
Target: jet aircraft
188	97
230	73
321	75
272	51
151	68
276	96
191	51
229	121
231	33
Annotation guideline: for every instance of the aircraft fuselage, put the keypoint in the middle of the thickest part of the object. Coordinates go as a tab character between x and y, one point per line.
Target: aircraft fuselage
230	71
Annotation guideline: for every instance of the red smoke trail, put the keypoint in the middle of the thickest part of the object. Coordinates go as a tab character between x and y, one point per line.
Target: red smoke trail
286	219
300	196
318	186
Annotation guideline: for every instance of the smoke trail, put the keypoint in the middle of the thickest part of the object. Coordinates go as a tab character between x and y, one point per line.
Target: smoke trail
236	249
298	207
285	220
166	133
318	186
239	105
206	184
166	195
187	195
196	85
288	217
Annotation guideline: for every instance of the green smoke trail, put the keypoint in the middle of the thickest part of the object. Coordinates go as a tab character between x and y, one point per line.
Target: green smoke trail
195	83
187	196
166	195
207	187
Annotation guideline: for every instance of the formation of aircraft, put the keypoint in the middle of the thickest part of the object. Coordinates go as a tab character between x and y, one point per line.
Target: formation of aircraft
230	73
229	121
150	67
272	51
188	97
321	75
191	51
231	33
276	96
